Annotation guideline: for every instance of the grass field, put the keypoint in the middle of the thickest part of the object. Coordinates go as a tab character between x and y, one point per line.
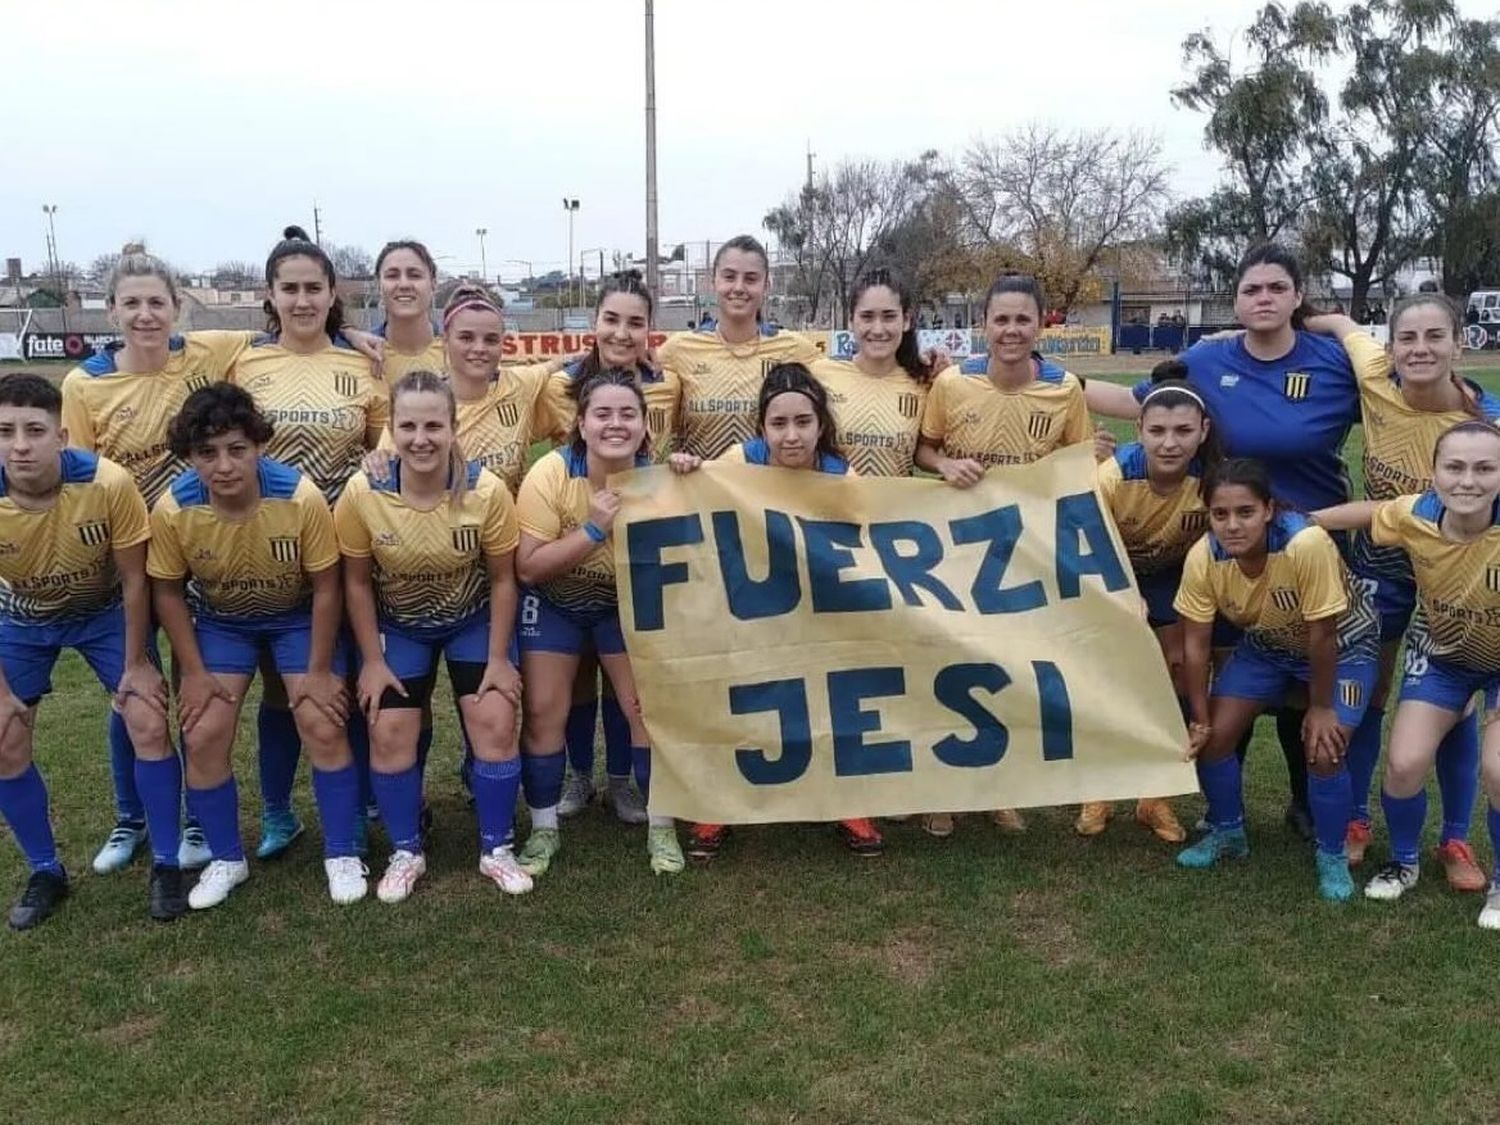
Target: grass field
983	979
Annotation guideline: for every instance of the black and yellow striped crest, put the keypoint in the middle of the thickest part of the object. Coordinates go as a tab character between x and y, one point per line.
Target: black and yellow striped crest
909	405
94	533
1351	694
1296	384
509	413
657	421
345	384
1492	579
466	538
285	548
1194	522
1039	425
196	382
1284	598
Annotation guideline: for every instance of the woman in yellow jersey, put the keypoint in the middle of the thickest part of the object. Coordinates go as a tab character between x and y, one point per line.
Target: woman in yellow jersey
1153	490
567	564
622	340
720	368
1279	577
429	569
1009	407
408	278
328	409
796	431
1409	395
877	398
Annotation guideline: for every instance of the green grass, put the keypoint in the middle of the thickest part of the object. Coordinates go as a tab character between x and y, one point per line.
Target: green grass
982	979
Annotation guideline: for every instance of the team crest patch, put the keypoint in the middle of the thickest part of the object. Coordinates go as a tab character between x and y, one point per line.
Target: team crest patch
345	384
94	533
1194	522
509	413
195	382
909	406
1492	579
1284	598
285	548
1039	425
1351	693
466	539
1296	384
656	420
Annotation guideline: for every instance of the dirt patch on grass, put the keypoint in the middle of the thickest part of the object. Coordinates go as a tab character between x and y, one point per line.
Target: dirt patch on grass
134	1032
1043	923
909	957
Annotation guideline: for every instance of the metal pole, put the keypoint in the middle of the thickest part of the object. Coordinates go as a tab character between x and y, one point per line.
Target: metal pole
653	273
484	268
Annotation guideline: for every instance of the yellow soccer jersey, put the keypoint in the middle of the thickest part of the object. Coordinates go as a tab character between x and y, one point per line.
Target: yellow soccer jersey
971	418
662	392
878	419
498	429
553	501
244	569
721	384
1458	584
124	415
1304	580
59	564
429	566
434	357
327	407
1157	529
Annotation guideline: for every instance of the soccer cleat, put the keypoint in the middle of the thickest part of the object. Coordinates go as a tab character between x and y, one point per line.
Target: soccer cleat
44	891
401	874
219	878
1357	842
124	838
626	803
1335	884
861	836
541	846
1155	814
279	828
664	850
577	792
167	900
705	840
1300	821
1009	821
1392	881
1489	917
1220	843
500	866
192	852
938	825
1459	865
1093	817
347	877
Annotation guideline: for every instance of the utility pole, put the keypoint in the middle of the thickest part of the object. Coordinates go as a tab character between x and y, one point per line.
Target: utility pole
810	155
484	268
653	272
317	224
53	265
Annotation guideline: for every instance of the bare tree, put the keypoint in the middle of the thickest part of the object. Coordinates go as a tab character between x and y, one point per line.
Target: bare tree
351	261
235	275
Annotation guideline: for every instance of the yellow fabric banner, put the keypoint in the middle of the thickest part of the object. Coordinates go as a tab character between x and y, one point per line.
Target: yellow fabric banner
812	647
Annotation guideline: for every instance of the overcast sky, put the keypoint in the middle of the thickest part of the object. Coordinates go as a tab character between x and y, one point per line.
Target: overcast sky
205	128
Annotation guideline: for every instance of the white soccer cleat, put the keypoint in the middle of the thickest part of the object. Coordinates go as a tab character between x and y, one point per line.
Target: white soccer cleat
219	878
346	879
500	866
1392	881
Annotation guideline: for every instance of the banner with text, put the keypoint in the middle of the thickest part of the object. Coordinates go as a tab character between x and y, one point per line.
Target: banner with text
810	647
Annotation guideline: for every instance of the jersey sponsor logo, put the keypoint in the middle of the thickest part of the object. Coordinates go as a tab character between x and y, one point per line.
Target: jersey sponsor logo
10	549
700	369
1351	693
94	533
386	539
909	406
1295	385
1229	380
1194	521
1492	579
656	420
124	415
202	555
509	413
285	548
345	384
466	539
1039	424
1284	598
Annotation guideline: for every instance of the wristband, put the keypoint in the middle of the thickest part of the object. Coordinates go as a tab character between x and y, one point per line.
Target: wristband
594	531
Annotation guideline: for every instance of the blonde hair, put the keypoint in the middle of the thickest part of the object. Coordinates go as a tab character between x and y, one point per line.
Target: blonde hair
135	262
422	381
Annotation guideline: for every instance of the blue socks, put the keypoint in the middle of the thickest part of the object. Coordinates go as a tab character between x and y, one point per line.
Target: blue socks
1330	800
1220	782
579	735
218	811
542	777
122	769
278	748
1404	817
495	787
1458	777
339	810
160	785
640	763
617	748
23	803
399	796
1363	757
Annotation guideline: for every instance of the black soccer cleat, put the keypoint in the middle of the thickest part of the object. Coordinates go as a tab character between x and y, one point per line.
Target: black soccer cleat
44	891
168	900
